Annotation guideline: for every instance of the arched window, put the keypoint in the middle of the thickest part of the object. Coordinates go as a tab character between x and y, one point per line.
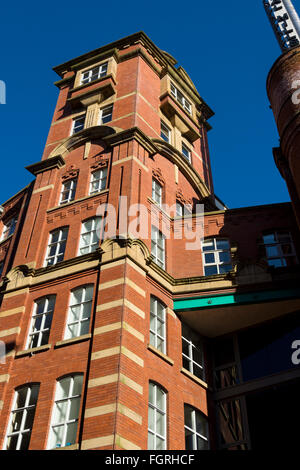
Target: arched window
196	429
216	256
157	324
56	246
65	413
41	322
22	417
158	247
157	418
79	311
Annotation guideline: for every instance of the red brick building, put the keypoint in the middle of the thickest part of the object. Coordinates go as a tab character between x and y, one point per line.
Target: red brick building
127	342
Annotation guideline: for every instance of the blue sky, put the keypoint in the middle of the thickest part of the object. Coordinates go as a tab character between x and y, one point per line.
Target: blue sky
226	47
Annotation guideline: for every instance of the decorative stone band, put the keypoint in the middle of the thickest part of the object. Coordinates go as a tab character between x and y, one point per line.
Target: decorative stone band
118	350
108	441
109	379
112	408
120	303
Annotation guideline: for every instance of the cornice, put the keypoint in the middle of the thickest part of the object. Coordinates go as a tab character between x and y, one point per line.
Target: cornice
186	168
129	134
44	165
163	59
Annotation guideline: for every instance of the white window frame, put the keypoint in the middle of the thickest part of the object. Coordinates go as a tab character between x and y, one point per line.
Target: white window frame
158	244
216	251
98	177
157	410
181	98
179	209
187	154
40	330
83	318
65	402
193	429
94	73
279	245
95	231
165	132
157	320
106	114
189	339
62	232
24	410
157	192
68	193
75	124
9	228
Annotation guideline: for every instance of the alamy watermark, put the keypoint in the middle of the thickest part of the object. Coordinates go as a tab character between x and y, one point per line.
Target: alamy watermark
134	221
2	92
296	354
296	94
2	352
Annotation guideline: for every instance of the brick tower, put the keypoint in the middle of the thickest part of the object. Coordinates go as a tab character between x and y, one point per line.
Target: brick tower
131	342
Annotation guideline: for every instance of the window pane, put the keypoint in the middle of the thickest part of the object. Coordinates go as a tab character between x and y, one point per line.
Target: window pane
25	441
202	444
188	416
209	258
160	444
71	434
63	387
77	386
151	419
208	245
222	244
189	440
211	270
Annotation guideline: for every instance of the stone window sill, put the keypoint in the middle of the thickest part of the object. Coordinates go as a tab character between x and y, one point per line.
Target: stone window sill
31	351
194	378
72	447
160	354
78	339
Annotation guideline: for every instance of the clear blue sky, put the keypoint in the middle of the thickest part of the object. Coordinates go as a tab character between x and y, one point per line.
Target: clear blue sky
226	47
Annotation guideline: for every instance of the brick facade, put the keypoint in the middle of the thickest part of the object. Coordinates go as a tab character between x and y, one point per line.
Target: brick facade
115	356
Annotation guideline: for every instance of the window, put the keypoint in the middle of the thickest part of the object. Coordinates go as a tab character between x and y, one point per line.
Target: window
41	322
181	99
186	152
65	414
98	180
157	325
158	247
279	249
57	246
179	209
157	425
90	235
78	124
68	191
79	312
1	268
157	192
196	429
94	73
165	132
106	114
216	256
9	228
21	418
192	355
